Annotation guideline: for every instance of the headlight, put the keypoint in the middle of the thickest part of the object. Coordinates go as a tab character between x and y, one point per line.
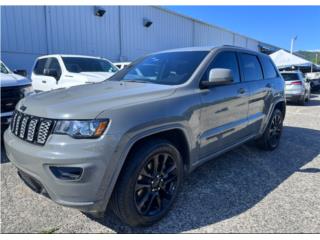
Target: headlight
82	128
28	90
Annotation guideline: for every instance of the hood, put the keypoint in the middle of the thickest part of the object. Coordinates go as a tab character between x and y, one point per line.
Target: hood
11	79
87	101
93	77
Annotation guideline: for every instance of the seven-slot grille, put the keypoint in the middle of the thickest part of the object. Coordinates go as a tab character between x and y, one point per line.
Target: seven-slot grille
32	129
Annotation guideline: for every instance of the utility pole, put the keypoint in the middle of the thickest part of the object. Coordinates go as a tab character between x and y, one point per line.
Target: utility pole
292	42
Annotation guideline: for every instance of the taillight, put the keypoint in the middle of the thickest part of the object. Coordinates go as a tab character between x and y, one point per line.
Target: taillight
296	83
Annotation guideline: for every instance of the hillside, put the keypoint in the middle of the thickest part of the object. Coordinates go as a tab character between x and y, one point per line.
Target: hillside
309	55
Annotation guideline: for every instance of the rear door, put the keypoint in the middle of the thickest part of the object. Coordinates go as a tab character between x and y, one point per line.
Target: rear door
260	86
225	108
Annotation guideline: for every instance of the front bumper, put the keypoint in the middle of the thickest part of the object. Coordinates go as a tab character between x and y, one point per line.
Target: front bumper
94	156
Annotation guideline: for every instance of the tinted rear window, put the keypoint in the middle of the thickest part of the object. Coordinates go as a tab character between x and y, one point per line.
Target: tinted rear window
290	76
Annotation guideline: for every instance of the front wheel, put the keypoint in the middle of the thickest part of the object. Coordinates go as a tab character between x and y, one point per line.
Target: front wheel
149	183
271	136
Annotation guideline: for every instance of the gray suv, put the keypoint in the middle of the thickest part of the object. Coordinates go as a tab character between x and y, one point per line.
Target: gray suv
128	142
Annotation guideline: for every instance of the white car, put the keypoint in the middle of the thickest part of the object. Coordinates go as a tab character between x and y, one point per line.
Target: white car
121	65
63	71
297	87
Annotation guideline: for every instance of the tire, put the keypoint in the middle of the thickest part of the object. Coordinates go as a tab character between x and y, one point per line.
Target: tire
302	100
309	96
272	134
145	193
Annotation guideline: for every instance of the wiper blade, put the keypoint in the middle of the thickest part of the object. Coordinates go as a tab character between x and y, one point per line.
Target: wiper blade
137	80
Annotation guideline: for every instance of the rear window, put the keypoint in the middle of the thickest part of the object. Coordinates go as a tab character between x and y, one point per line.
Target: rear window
77	65
251	67
290	76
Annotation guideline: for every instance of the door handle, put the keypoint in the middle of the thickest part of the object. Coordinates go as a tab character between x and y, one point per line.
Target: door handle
241	90
44	81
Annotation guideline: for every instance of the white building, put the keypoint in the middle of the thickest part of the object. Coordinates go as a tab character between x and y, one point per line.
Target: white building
123	33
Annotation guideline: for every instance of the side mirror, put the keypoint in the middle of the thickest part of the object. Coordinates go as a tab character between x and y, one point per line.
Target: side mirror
21	72
51	73
218	76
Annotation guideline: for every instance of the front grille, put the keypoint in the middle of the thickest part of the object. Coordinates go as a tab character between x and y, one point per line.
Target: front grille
10	96
30	128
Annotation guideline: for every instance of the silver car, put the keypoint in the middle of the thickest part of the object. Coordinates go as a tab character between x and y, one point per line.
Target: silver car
129	142
297	87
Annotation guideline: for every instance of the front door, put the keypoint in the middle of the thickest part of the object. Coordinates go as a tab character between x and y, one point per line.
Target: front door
225	108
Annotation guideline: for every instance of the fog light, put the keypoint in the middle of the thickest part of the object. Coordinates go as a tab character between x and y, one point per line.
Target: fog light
66	173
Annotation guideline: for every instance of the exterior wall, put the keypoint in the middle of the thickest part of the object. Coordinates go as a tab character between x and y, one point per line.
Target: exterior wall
31	31
205	35
76	30
23	35
167	31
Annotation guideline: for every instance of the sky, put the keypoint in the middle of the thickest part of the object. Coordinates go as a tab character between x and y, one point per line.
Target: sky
275	25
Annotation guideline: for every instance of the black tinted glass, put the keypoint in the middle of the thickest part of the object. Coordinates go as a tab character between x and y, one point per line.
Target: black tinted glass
268	68
169	68
290	76
54	65
251	67
77	65
39	67
225	60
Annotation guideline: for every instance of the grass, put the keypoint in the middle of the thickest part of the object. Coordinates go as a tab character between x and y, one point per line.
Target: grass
50	230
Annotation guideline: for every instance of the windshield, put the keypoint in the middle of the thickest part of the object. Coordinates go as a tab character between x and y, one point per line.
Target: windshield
78	65
290	76
4	69
169	68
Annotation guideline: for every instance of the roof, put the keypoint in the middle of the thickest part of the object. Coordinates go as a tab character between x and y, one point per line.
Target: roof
284	59
209	48
69	55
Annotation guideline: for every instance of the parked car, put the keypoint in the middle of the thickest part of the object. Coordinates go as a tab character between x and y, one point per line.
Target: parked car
63	71
121	65
13	88
314	78
297	87
134	137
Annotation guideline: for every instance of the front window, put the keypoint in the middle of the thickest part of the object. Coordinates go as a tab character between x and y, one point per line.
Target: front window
78	65
171	68
4	69
290	76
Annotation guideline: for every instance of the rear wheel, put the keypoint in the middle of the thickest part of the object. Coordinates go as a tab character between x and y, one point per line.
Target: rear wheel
308	96
149	183
302	100
271	136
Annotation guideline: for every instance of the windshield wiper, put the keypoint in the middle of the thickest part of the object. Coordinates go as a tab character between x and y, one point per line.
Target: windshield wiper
137	80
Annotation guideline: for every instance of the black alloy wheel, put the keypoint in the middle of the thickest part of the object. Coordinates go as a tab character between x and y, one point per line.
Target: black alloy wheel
156	184
148	183
275	130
